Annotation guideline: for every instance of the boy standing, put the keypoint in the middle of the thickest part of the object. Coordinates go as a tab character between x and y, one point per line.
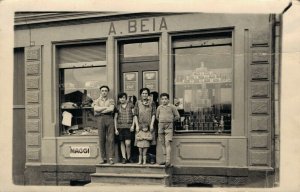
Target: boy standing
166	114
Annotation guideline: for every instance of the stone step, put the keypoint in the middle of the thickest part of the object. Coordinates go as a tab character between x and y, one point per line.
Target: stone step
131	178
132	168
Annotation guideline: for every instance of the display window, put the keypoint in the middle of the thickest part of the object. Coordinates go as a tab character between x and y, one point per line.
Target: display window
79	86
203	86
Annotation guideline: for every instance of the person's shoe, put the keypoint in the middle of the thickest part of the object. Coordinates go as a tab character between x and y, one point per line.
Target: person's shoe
102	162
129	160
124	161
140	160
162	163
168	164
111	161
152	161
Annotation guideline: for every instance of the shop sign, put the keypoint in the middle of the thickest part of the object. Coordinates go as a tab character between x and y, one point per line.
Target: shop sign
139	25
80	151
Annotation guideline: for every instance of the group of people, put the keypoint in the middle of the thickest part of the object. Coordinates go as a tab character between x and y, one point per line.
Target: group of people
144	117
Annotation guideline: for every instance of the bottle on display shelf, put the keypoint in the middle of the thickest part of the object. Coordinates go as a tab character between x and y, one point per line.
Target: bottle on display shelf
191	123
200	125
210	120
227	122
215	123
221	125
186	123
177	124
196	120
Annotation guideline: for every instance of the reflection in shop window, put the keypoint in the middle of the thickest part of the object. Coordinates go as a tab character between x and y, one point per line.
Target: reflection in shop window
203	88
78	88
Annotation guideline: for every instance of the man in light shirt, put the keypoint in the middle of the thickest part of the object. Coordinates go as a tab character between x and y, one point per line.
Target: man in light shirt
103	110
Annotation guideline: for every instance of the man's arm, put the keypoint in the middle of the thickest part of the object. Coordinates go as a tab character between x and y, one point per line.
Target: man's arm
97	108
116	123
176	113
157	112
110	108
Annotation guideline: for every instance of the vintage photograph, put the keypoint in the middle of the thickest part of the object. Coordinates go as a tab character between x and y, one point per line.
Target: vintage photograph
168	99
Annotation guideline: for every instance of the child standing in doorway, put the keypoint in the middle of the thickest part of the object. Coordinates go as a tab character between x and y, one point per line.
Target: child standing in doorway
166	114
124	125
143	138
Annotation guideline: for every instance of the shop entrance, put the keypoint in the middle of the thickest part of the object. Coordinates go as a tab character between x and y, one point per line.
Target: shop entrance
139	64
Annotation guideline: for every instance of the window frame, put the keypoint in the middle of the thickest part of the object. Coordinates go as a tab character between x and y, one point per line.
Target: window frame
63	66
187	37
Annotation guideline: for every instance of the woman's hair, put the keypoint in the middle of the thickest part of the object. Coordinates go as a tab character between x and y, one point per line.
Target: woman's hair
144	89
132	99
155	95
120	95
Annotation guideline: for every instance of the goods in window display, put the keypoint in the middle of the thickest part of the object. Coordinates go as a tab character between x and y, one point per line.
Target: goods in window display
67	118
221	125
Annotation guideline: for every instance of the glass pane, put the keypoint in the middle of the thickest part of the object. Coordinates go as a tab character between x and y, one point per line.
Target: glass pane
79	86
141	49
203	89
81	53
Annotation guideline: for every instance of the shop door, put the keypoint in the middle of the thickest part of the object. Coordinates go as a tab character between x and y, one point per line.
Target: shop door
139	64
135	76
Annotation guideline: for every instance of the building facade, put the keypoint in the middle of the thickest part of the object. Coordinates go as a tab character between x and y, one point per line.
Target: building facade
221	71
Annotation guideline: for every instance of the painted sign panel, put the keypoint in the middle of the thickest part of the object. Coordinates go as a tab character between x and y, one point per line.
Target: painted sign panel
130	83
80	151
150	80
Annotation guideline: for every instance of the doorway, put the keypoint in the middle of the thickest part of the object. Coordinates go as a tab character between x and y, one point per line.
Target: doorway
139	64
139	68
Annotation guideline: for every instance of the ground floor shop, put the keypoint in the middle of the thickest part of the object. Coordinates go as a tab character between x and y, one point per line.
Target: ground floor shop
220	70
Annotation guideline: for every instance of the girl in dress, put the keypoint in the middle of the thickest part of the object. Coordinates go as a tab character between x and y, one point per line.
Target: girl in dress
145	111
143	138
124	125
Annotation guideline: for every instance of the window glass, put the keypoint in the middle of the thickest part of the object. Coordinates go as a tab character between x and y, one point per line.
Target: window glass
79	86
81	53
203	88
141	49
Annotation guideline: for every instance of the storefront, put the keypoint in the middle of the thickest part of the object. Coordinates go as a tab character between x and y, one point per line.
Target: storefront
221	71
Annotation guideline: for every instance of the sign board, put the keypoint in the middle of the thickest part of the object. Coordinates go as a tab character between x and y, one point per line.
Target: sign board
80	151
130	83
150	80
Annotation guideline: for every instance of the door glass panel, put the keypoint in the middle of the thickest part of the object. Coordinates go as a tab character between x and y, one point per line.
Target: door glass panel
150	80
130	83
